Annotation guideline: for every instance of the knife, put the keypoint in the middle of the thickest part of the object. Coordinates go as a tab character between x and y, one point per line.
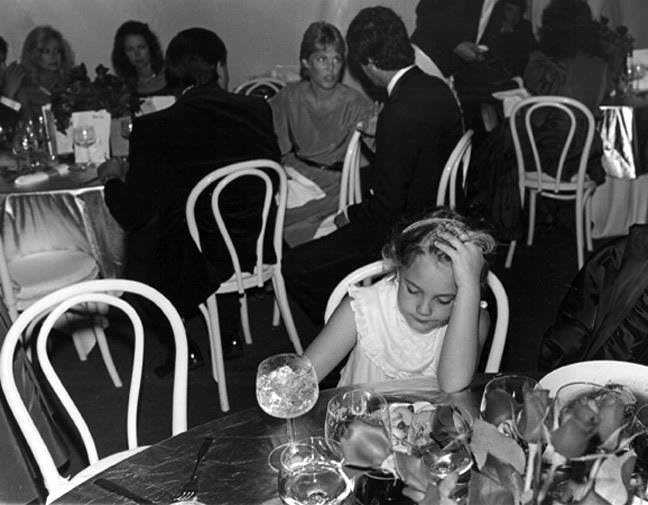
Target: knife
113	487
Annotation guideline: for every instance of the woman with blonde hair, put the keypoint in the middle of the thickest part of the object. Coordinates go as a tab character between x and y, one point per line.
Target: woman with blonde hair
47	58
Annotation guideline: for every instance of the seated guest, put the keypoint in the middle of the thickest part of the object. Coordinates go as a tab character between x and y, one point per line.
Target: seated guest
424	319
417	129
137	58
170	151
11	78
569	63
566	66
314	119
47	58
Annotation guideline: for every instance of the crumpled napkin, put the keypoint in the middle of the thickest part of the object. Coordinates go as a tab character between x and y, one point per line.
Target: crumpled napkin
41	176
510	98
301	189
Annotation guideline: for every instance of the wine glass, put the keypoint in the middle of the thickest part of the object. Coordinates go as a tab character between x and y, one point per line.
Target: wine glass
310	473
513	386
84	136
286	387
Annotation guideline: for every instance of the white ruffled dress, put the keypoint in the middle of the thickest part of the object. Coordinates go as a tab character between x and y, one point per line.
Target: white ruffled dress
387	348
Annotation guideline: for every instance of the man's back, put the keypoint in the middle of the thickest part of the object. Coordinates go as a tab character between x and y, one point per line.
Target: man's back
417	129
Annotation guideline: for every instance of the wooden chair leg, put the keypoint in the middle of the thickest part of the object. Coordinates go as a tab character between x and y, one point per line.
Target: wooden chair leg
245	318
588	224
218	365
510	253
579	234
282	300
276	315
532	216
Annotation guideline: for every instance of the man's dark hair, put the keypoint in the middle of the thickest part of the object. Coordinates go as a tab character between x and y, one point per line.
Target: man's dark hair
379	34
567	28
192	56
3	45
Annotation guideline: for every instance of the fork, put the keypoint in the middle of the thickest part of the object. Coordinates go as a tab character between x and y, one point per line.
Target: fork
190	489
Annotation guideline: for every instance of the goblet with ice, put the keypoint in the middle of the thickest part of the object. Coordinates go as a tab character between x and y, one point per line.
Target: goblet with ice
286	387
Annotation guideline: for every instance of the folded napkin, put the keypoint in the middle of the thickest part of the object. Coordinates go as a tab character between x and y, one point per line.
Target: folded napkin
41	176
301	189
327	226
510	98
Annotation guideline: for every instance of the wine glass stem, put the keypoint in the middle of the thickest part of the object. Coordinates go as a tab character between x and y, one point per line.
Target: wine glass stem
291	430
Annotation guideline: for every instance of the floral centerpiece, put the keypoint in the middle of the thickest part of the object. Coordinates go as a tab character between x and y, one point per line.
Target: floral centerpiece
617	45
540	452
79	93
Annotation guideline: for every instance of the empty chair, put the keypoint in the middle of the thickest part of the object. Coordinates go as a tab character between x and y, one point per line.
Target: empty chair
55	305
459	157
537	182
262	271
376	270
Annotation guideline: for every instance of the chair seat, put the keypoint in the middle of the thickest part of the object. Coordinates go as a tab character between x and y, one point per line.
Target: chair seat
548	182
249	279
36	275
90	471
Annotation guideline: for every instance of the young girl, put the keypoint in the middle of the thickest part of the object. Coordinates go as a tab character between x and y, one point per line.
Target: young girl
422	319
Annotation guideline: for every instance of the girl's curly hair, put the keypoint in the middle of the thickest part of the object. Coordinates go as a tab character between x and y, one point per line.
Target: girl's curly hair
419	238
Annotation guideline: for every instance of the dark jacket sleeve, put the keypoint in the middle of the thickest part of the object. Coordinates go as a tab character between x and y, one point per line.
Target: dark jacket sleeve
135	201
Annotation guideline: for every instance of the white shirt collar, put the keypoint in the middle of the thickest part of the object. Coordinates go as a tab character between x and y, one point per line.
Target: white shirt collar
395	79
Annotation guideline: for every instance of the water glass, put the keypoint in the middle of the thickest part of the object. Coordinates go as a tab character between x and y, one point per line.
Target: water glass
311	474
126	127
84	136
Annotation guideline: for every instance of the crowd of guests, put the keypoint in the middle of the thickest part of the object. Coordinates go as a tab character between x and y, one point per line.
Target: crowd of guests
426	83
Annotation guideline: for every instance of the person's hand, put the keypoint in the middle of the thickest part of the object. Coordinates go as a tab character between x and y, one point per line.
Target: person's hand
466	257
111	169
469	52
13	79
340	219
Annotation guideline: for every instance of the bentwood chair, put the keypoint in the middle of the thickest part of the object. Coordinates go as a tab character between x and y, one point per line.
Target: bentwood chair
459	157
350	187
261	86
262	272
377	270
55	305
538	183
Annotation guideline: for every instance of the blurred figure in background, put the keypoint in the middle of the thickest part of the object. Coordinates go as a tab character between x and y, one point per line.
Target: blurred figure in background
11	78
137	58
47	59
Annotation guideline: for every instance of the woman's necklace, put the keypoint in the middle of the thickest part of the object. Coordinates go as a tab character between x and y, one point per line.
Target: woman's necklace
145	80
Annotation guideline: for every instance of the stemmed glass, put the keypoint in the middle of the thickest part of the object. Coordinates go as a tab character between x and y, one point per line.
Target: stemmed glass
126	127
286	387
84	136
310	473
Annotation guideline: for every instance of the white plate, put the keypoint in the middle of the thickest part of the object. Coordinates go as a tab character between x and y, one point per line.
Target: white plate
602	372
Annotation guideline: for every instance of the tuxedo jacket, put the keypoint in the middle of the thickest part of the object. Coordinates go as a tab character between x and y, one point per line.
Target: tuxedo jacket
170	151
417	129
442	24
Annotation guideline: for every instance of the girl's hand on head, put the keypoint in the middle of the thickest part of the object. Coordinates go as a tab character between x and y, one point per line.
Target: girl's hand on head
466	257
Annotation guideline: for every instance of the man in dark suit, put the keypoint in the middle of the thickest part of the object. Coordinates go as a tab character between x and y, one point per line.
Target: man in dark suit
170	151
417	129
11	78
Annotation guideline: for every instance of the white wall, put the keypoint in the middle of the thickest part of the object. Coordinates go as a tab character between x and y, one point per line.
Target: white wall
258	33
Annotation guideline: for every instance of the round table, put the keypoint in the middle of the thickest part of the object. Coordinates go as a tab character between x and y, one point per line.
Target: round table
235	470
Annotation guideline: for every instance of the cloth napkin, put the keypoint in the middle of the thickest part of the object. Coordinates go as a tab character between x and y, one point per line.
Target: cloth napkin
327	226
41	176
301	189
510	98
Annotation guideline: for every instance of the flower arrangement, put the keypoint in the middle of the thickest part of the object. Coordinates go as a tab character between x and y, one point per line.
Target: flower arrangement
79	93
579	449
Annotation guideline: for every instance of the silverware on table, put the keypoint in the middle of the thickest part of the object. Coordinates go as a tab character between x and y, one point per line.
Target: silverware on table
113	487
190	489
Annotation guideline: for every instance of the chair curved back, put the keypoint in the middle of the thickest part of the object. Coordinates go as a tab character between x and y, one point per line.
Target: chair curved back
350	189
248	87
54	305
222	177
567	105
460	156
378	269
